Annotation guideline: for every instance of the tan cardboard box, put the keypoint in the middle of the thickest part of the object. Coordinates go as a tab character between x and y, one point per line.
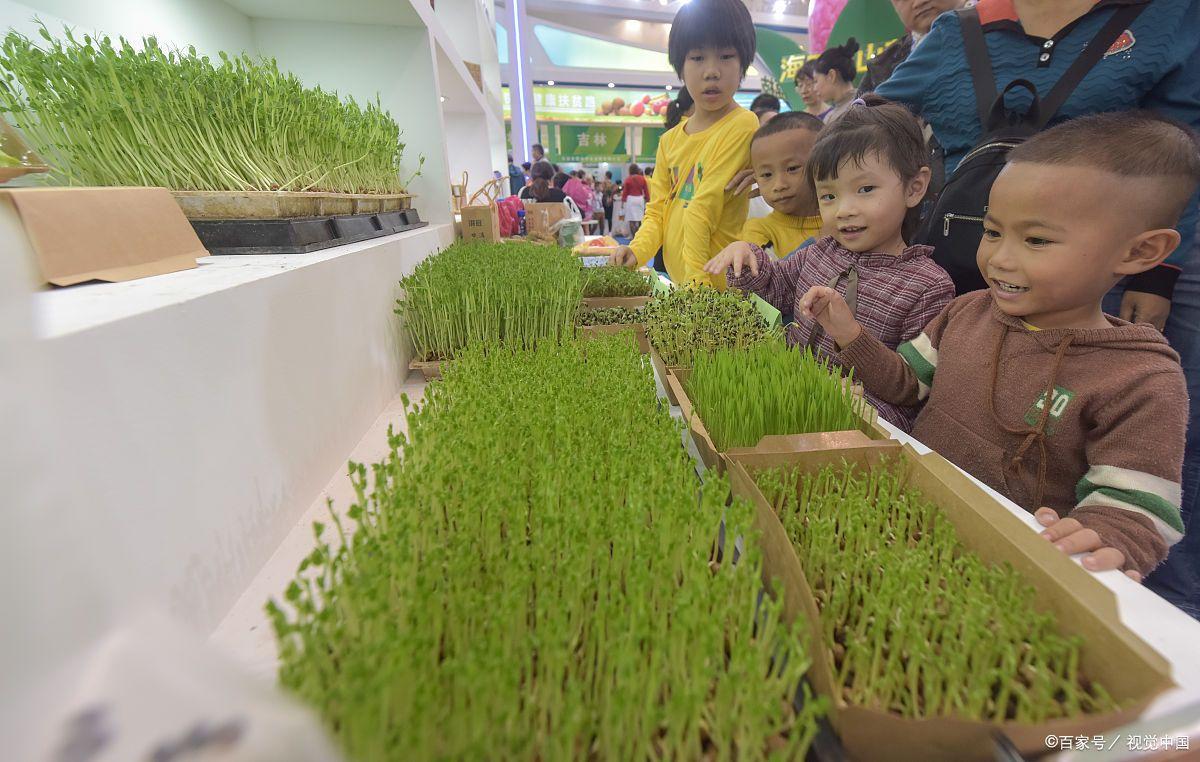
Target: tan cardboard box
1129	669
109	234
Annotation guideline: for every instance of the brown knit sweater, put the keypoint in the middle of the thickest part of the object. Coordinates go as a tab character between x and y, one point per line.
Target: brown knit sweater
1107	449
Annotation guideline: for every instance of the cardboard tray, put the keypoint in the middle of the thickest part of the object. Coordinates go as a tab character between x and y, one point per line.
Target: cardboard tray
1130	670
868	434
432	369
664	371
115	234
639	332
260	205
628	302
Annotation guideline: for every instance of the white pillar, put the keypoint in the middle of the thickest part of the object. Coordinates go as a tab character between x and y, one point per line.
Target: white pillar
520	82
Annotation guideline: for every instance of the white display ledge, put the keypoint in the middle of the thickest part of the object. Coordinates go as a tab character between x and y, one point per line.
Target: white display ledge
78	308
194	416
246	634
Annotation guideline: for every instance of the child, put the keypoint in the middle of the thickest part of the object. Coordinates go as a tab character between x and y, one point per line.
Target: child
1070	413
689	215
778	155
870	173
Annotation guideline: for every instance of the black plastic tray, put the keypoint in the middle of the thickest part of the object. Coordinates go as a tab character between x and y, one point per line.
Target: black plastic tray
301	235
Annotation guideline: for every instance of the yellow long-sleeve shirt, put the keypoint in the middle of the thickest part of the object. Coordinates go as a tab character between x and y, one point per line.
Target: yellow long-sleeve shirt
690	215
782	232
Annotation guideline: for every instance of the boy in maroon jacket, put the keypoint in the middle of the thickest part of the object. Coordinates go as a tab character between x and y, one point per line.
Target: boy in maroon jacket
1076	416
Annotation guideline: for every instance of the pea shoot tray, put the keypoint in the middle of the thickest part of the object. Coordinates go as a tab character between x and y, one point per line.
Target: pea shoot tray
1064	603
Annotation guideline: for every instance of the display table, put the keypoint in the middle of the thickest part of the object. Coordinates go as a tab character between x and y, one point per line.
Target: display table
246	634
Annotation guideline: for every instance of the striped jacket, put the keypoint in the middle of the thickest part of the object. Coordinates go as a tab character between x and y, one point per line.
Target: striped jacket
1089	422
896	296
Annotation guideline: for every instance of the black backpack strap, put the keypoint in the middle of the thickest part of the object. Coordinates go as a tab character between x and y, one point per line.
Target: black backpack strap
1091	55
999	114
980	63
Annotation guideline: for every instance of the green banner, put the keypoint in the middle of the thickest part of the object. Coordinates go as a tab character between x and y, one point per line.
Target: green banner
650	138
873	23
592	143
600	105
783	57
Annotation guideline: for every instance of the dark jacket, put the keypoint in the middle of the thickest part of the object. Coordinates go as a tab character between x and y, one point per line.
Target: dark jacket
882	65
516	179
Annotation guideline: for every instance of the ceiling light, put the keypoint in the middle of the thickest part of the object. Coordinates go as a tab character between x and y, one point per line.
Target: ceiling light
612	84
443	99
550	82
663	2
779	7
669	87
633	24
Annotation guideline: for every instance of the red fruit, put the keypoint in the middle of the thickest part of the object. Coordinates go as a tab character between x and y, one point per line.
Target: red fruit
638	109
645	99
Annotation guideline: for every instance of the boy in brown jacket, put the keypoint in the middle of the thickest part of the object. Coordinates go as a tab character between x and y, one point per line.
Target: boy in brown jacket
1076	416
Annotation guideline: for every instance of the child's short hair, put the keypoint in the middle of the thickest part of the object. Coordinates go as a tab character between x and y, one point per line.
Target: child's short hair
872	126
764	102
711	23
839	58
789	120
1126	144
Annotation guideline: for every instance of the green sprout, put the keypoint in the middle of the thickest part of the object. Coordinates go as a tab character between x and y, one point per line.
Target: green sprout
614	281
109	113
530	577
491	293
691	321
915	622
741	396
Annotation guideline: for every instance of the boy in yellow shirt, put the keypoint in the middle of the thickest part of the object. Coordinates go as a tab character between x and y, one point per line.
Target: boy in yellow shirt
690	216
779	154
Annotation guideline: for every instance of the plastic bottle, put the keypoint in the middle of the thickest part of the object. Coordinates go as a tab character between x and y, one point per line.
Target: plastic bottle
522	230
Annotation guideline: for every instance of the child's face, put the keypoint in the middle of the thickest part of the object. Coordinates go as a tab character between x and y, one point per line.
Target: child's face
866	203
779	162
1055	240
712	76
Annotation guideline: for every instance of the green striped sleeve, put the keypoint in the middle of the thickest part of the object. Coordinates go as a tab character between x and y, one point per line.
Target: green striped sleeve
920	355
1155	498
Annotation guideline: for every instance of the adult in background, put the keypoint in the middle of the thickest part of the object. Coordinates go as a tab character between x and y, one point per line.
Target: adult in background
834	72
608	191
597	202
806	85
516	178
634	196
765	106
579	193
542	189
539	153
917	17
1154	65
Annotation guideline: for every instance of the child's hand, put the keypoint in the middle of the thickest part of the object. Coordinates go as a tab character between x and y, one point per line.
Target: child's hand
1071	537
623	257
736	255
741	182
829	308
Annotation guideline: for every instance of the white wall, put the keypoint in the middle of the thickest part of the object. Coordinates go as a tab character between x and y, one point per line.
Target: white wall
362	60
210	25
